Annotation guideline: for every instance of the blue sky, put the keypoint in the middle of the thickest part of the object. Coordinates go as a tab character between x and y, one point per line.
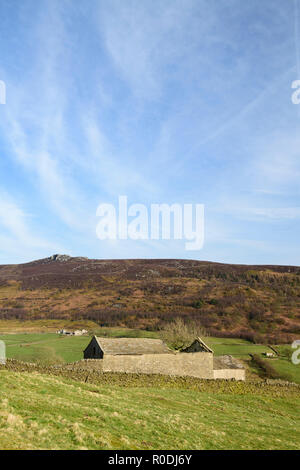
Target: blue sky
169	101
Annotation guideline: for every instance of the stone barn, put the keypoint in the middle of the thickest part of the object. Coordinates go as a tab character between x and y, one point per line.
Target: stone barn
152	356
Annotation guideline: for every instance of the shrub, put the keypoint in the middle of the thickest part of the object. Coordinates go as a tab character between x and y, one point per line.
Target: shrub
198	304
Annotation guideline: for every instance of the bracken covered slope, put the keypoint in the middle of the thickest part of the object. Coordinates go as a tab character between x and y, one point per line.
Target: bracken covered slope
260	302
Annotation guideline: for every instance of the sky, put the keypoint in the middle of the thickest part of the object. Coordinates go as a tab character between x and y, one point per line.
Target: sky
164	101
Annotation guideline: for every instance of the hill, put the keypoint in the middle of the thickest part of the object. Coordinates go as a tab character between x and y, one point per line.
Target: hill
261	303
40	411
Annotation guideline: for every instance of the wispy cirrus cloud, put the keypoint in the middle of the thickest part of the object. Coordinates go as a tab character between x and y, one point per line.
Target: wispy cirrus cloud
263	214
17	233
162	101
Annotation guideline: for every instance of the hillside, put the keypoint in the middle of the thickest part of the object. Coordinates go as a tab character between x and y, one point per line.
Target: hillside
255	302
40	411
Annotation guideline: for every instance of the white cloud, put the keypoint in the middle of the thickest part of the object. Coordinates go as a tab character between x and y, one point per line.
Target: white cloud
35	129
17	236
149	42
115	175
275	213
259	214
277	162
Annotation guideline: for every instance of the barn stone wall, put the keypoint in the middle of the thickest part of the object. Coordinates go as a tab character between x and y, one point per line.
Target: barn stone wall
226	374
191	364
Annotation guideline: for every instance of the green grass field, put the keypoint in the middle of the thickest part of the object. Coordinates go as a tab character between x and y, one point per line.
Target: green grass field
46	412
51	348
239	348
45	347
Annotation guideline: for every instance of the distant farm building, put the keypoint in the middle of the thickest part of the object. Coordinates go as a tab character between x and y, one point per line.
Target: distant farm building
152	356
269	354
71	333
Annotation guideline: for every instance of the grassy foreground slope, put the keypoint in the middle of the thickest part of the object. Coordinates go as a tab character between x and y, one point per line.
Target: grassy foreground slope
45	412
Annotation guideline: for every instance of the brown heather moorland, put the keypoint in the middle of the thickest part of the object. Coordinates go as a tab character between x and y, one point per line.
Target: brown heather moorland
260	303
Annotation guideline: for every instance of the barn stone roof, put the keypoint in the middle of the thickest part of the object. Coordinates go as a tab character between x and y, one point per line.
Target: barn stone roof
135	346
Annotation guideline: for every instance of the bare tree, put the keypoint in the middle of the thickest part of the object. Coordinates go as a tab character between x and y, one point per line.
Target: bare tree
179	334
